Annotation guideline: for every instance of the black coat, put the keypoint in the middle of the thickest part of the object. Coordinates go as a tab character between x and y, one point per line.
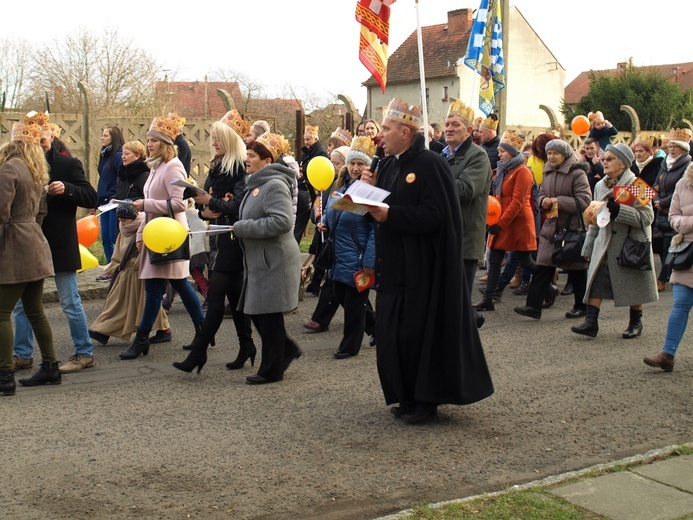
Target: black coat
60	223
436	354
131	180
317	150
184	153
491	148
649	172
227	254
667	179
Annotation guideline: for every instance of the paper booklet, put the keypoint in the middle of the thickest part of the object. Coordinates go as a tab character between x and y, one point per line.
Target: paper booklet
358	196
185	184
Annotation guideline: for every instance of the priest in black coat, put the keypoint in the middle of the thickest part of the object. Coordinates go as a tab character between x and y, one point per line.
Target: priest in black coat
428	346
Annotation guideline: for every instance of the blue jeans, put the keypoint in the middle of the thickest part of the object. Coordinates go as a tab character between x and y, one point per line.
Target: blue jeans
154	290
109	232
678	317
71	302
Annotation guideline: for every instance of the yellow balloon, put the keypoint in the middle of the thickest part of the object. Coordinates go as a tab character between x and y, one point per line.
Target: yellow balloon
89	261
320	173
164	234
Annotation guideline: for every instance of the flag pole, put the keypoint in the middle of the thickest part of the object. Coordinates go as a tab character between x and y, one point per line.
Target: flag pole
422	76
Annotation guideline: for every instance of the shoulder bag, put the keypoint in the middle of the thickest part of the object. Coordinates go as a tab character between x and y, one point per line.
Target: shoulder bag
680	256
567	243
635	254
182	253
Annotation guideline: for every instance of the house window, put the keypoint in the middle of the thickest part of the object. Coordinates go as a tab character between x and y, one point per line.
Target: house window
445	93
428	98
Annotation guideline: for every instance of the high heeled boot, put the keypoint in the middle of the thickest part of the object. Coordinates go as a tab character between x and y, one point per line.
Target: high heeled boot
634	325
196	358
7	384
48	374
590	327
140	345
198	337
246	351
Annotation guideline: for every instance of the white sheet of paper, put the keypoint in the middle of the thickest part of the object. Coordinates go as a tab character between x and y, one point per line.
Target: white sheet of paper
108	207
184	184
603	217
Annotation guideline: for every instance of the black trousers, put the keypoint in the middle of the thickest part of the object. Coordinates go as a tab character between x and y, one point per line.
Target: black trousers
277	348
221	286
495	258
302	214
542	280
356	306
329	302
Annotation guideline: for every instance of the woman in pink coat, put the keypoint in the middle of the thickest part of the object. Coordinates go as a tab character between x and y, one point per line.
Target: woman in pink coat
158	191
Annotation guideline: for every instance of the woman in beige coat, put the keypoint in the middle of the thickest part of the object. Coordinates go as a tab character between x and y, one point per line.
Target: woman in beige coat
23	175
159	194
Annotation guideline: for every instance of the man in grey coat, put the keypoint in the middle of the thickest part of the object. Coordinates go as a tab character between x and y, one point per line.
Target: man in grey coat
471	170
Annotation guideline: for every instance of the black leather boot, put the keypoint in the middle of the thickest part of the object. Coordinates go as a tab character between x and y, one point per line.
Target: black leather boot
7	384
140	345
634	325
196	358
590	326
246	351
198	337
48	374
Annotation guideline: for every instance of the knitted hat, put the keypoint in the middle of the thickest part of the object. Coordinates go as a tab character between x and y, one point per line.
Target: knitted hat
559	146
343	151
512	142
126	211
362	148
623	152
164	129
679	137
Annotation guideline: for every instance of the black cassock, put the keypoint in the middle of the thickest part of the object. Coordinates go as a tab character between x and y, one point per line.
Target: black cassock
428	344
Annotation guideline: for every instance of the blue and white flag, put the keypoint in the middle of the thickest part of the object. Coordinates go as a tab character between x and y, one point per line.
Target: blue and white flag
485	53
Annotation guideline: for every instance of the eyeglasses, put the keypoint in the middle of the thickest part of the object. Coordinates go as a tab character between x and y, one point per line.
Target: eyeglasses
609	159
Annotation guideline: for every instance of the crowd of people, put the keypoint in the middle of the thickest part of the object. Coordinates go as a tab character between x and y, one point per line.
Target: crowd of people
598	214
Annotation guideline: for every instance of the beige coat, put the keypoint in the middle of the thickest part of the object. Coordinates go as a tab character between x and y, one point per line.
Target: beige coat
24	252
122	311
157	190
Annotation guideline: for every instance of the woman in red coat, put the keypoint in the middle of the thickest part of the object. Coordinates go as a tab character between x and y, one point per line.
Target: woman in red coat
515	230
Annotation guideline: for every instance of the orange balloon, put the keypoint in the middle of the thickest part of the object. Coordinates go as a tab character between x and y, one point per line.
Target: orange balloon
88	230
580	125
493	212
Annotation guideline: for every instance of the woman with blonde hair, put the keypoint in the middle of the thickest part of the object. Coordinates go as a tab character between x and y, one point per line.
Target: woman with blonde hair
224	187
162	198
23	176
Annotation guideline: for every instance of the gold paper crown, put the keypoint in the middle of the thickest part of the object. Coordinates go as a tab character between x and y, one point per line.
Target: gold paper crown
678	134
513	139
233	119
459	109
180	121
312	130
477	121
55	130
165	126
285	144
595	117
343	135
274	144
28	133
362	147
403	113
40	118
491	122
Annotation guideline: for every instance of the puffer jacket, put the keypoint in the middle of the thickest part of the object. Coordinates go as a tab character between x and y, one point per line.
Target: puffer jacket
353	239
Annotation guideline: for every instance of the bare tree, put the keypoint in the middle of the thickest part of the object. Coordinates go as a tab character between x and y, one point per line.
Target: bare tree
249	87
15	57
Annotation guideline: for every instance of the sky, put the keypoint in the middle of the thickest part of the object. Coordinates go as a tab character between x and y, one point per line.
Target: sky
312	45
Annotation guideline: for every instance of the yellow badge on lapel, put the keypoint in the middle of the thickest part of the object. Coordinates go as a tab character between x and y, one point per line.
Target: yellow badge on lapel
411	177
256	192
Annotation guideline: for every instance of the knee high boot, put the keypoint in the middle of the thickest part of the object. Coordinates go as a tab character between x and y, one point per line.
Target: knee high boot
140	345
634	325
590	327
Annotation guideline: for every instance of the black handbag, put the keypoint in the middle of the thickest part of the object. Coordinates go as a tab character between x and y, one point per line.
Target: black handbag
635	254
325	255
567	243
680	256
182	253
662	222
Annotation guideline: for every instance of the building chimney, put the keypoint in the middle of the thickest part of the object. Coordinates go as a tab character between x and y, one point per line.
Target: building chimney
622	65
460	21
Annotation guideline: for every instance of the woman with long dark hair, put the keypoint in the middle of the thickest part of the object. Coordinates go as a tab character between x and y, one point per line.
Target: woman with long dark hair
110	162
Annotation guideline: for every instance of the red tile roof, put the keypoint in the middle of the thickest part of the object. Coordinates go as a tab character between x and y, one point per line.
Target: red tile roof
580	86
441	52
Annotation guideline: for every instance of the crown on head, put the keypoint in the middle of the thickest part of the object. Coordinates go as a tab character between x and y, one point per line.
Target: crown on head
274	143
343	135
362	147
312	130
512	138
40	118
459	109
491	122
403	113
595	117
180	121
285	144
27	133
233	119
165	126
678	134
55	130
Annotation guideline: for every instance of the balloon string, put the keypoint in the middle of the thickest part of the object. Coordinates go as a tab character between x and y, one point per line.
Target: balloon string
322	216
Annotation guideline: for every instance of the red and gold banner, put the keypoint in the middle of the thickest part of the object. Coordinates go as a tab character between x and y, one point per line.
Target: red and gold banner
374	17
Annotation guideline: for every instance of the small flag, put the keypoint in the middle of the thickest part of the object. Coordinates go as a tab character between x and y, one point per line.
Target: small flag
642	191
374	17
485	53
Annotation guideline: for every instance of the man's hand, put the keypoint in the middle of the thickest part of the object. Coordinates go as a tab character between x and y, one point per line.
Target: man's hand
367	177
378	213
209	214
321	227
202	198
56	188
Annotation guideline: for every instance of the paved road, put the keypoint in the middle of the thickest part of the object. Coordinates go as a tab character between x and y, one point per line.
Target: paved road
140	439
